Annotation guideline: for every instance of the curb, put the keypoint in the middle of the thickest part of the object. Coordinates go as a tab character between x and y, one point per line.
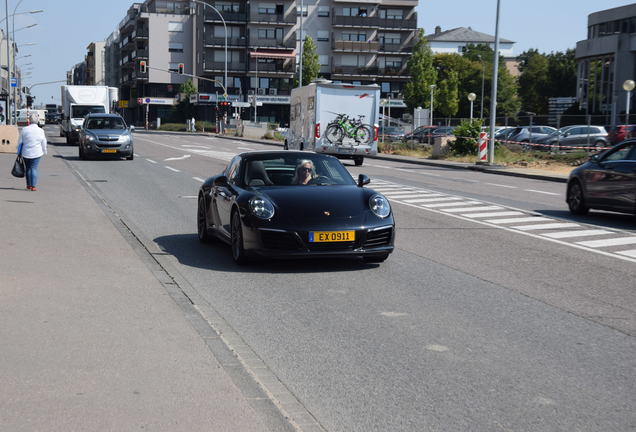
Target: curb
405	159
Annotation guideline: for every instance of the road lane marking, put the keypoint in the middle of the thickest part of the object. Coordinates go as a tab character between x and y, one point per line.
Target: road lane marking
493	214
620	241
468	209
135	155
178	158
425	200
522	219
413	195
503	186
196	146
151	161
629	253
198	179
450	204
581	233
546	226
244	148
172	169
541	192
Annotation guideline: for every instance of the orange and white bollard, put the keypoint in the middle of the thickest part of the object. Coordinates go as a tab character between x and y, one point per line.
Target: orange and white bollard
483	147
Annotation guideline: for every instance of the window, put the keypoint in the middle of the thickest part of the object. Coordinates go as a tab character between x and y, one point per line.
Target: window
386	87
353	60
304	10
175	26
350	11
228	7
621	154
173	67
322	35
323	11
176	47
270	33
389	38
359	37
394	14
267	8
323	60
298	35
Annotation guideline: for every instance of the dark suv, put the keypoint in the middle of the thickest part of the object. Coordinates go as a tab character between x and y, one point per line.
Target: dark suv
105	135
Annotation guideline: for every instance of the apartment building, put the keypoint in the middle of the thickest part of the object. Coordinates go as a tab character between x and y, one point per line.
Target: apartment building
95	72
357	42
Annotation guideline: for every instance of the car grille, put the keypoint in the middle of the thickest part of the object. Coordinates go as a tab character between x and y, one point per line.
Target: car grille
279	240
329	247
381	237
107	138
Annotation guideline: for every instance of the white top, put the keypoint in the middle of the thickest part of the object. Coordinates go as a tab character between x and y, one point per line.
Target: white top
32	142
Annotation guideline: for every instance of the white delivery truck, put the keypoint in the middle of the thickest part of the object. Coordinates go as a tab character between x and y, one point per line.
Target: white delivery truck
338	119
77	102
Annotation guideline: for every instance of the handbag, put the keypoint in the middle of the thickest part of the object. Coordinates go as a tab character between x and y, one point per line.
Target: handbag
18	167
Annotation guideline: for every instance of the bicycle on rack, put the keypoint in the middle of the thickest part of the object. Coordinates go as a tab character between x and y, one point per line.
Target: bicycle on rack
342	126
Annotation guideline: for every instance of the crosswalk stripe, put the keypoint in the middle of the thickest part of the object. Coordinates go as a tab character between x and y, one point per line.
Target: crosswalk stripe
620	241
449	204
413	195
467	209
522	219
400	191
629	253
578	233
493	214
441	198
545	226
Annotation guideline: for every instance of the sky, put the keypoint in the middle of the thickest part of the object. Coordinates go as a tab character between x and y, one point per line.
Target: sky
66	27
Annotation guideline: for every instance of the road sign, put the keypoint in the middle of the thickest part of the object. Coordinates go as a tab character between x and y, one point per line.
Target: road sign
139	101
14	82
237	104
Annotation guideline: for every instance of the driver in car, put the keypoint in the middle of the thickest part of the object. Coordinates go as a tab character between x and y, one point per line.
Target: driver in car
305	173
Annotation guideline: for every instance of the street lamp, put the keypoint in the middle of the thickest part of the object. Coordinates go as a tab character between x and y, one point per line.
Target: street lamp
432	86
25	27
628	86
225	29
471	98
493	92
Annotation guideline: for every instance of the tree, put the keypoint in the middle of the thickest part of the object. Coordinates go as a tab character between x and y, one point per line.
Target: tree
448	94
311	67
187	88
468	77
420	67
533	81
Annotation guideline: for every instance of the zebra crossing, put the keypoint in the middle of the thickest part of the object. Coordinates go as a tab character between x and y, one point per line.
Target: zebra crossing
609	242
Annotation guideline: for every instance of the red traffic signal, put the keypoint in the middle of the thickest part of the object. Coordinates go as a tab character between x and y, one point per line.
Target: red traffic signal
181	68
142	66
224	103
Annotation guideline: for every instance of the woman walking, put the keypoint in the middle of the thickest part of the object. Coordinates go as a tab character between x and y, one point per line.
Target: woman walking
32	146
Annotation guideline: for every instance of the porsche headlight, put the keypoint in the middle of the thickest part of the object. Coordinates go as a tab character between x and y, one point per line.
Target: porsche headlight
261	208
379	206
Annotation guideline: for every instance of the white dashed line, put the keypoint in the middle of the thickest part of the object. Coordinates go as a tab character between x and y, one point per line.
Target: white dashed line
581	233
172	169
628	253
198	179
620	241
244	148
541	192
178	158
151	161
503	186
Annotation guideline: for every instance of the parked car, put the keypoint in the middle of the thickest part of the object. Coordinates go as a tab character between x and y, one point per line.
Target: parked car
530	133
620	133
424	134
577	136
105	135
607	181
391	133
504	134
258	206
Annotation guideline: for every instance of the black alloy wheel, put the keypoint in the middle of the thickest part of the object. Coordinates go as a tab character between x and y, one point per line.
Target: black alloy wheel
238	252
576	199
202	222
358	160
82	155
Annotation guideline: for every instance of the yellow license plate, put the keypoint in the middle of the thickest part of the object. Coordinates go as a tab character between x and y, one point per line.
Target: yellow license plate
331	236
109	151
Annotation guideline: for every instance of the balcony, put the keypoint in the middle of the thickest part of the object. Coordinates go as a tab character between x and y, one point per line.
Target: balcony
340	45
402	48
276	67
392	71
235	42
220	66
355	21
211	16
273	43
289	19
140	54
141	33
398	23
354	70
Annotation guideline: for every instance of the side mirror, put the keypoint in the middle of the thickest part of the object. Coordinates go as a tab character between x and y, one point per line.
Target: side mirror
132	128
363	180
220	181
595	158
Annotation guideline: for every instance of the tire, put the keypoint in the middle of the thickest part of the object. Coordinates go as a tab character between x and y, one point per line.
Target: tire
69	141
334	134
358	160
302	146
82	155
375	258
576	199
131	157
598	146
238	251
285	146
202	222
363	134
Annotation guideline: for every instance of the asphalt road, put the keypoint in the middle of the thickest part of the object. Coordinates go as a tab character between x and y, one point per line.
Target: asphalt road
473	323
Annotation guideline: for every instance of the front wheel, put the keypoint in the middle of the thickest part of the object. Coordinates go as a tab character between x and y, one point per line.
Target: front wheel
334	134
285	146
576	199
599	146
202	222
238	251
82	155
358	160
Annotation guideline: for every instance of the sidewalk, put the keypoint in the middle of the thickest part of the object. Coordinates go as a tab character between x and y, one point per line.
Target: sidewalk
537	174
91	340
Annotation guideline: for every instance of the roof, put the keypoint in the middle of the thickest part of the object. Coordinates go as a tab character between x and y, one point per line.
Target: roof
463	34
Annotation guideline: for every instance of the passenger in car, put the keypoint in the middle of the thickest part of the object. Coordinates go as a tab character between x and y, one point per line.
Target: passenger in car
305	172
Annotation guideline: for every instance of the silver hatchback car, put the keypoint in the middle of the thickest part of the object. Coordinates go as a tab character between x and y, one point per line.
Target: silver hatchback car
105	135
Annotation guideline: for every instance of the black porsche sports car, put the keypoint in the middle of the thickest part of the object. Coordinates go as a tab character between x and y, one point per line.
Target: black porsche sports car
294	204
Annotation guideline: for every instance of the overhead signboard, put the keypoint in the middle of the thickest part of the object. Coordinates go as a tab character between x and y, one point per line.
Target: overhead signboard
159	101
122	104
241	104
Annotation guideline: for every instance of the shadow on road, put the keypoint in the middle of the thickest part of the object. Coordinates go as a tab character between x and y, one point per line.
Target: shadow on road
599	218
217	256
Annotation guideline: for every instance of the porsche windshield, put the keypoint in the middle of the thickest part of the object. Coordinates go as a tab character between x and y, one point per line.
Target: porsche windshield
283	170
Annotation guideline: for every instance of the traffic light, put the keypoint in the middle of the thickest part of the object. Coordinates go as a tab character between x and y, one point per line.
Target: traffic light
142	67
29	101
181	68
224	104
